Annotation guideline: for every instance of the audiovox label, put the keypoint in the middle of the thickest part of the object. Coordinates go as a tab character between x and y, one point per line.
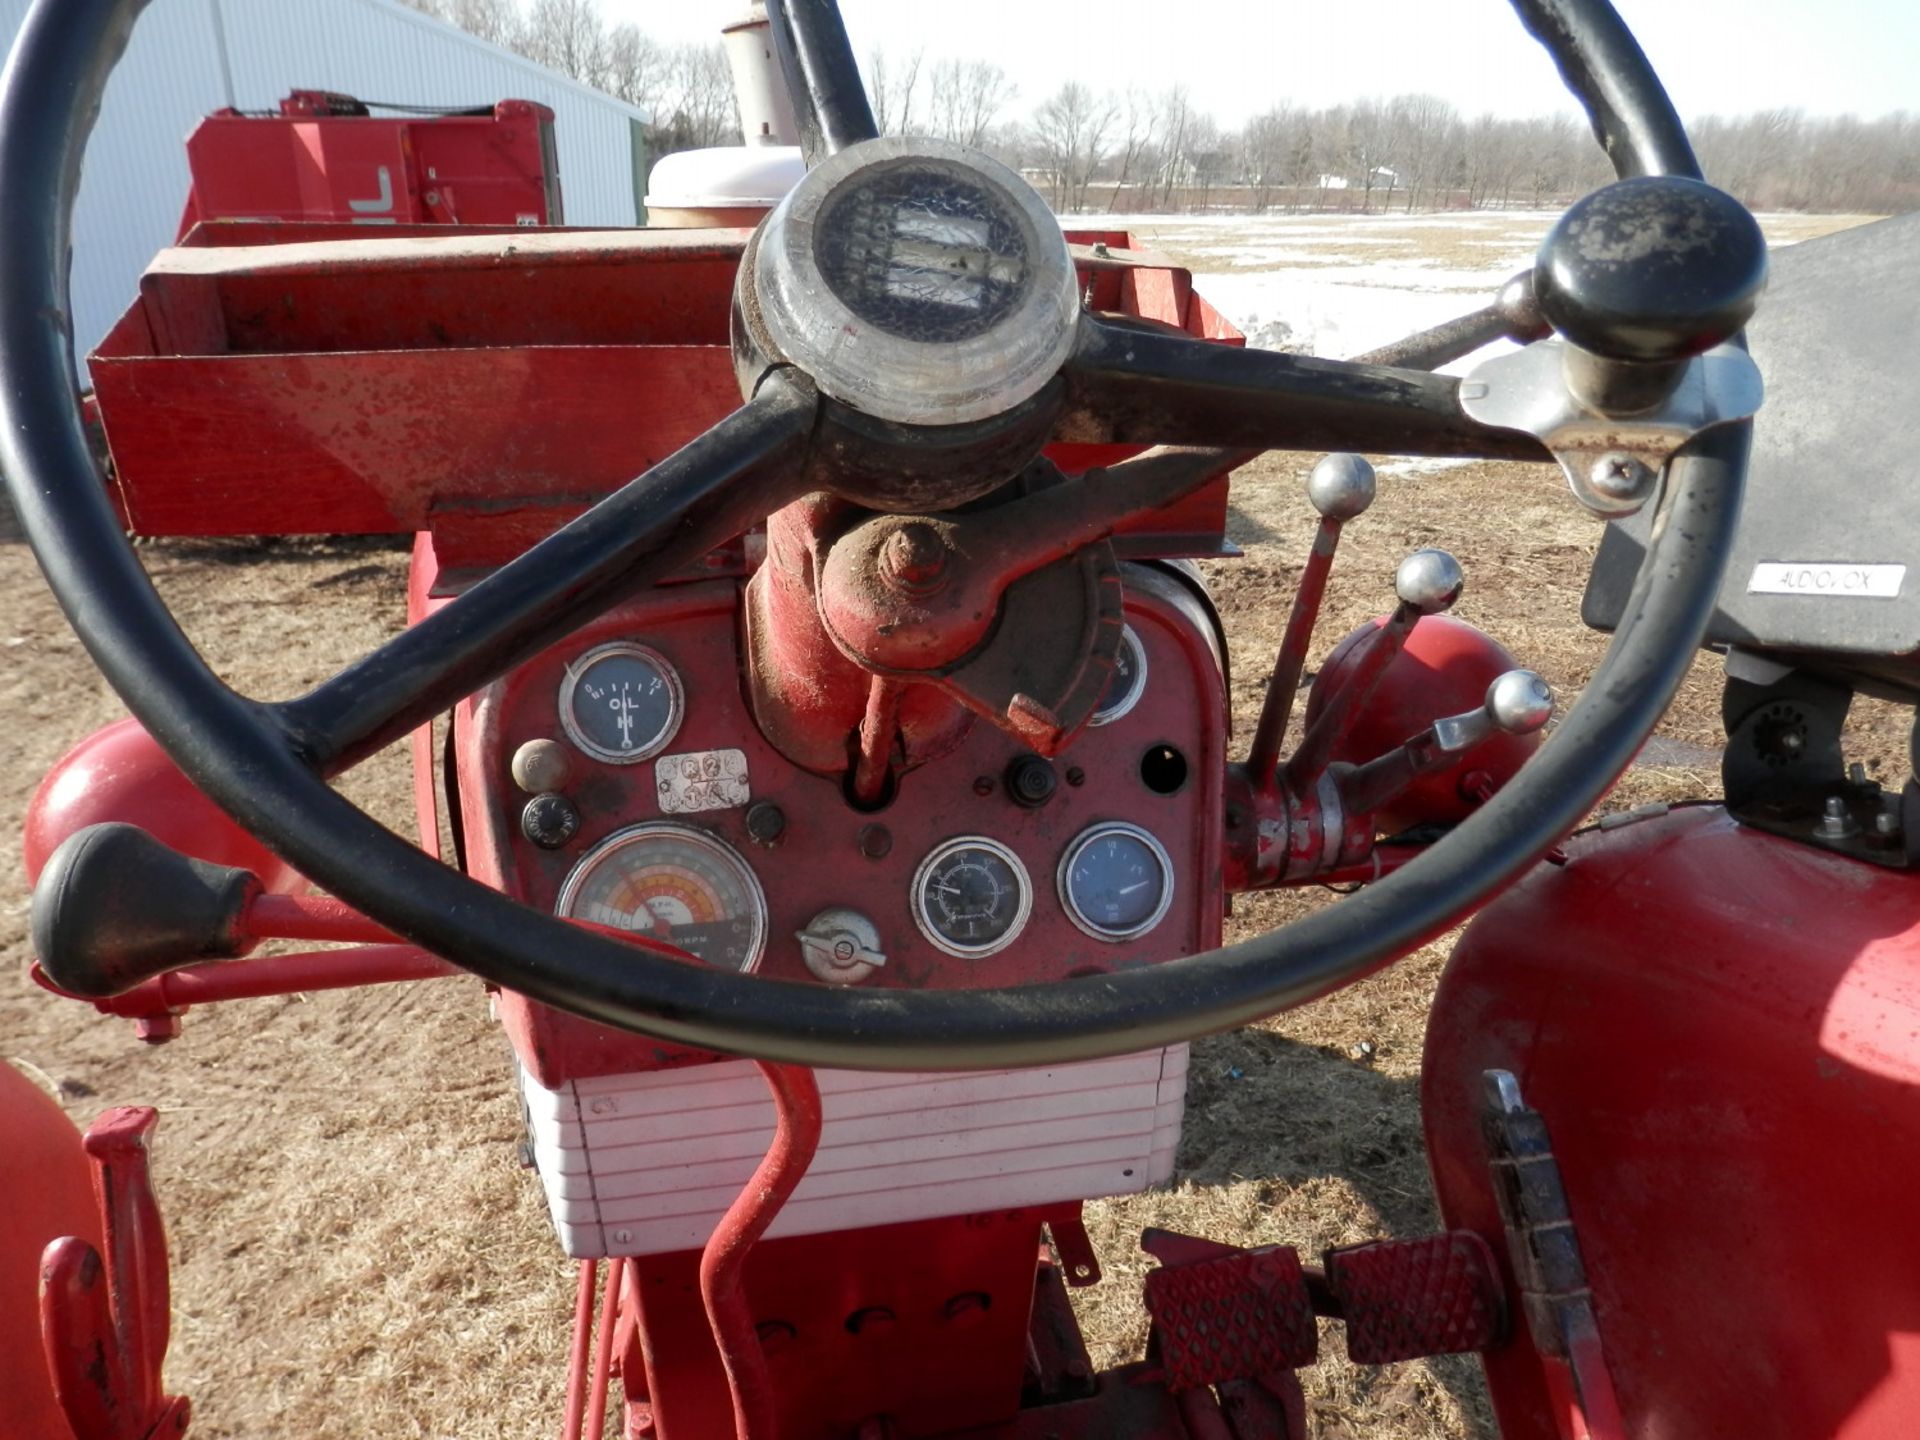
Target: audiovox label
1839	579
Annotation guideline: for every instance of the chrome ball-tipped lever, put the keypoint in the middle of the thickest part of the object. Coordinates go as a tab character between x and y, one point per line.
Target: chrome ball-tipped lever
1427	582
1517	703
1340	487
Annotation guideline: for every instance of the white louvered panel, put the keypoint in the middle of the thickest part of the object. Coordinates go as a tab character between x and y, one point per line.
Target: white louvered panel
646	1164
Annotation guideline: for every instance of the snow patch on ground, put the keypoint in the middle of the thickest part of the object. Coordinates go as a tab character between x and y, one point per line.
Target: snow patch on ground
1427	465
1342	311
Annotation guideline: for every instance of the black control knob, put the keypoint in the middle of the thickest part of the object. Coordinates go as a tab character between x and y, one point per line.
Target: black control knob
1651	270
1030	781
549	820
114	907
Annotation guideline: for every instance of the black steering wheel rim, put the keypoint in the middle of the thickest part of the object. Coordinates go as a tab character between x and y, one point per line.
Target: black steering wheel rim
241	757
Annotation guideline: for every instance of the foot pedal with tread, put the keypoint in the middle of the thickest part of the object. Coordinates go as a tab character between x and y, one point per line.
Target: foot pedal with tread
1402	1299
1222	1314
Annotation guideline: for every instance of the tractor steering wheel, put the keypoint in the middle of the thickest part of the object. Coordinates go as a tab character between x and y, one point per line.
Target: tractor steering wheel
992	381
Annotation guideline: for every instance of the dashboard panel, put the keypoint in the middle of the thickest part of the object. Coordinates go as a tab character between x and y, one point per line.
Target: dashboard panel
987	867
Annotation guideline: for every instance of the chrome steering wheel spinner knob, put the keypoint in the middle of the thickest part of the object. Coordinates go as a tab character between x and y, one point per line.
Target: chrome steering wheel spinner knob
915	281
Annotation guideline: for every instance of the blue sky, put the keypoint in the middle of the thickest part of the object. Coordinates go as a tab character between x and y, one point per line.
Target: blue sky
1237	56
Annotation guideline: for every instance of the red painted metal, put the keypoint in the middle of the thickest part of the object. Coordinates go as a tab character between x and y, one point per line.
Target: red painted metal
104	1312
324	158
1263	754
118	773
574	1412
1430	1295
1443	668
1731	1088
925	1323
48	1185
178	991
459	379
797	1111
1344	696
1222	1313
602	1379
879	731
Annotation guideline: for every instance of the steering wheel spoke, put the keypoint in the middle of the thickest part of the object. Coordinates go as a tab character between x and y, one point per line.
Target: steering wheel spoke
829	99
1137	386
702	495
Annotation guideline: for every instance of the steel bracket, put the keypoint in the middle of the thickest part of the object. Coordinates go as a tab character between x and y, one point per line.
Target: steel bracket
1612	463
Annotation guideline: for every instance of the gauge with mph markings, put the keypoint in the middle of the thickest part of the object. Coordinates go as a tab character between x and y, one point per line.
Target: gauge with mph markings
1129	680
675	883
621	702
1116	881
971	896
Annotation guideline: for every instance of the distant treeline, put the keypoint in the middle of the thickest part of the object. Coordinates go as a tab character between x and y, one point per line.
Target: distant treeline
1133	151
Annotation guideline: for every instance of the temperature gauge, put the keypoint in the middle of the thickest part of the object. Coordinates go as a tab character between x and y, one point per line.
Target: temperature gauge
674	883
1116	881
621	702
1129	680
971	896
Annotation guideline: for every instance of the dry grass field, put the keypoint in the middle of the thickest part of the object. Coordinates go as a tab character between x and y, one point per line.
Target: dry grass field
356	1249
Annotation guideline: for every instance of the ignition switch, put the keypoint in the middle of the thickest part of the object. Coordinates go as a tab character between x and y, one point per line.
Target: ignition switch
841	946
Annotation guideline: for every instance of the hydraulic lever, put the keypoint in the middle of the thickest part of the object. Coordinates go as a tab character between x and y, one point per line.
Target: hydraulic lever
1518	703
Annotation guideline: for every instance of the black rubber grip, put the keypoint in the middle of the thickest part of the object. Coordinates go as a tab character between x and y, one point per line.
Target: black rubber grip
114	907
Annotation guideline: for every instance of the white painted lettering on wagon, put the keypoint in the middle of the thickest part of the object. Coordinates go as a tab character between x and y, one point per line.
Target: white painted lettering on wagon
1839	578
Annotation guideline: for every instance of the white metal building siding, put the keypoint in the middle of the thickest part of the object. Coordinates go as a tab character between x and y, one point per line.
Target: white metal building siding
191	57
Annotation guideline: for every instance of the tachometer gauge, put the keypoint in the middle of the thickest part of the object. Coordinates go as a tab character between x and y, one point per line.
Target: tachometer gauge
621	702
674	883
1116	881
971	896
1129	680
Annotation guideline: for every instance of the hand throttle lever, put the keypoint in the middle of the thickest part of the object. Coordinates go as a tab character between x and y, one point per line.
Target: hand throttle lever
1518	703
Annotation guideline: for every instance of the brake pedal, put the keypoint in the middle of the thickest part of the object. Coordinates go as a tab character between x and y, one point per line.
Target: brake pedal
1402	1299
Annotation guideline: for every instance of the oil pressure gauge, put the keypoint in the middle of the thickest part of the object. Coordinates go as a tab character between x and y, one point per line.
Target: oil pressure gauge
1116	881
621	702
1129	680
971	896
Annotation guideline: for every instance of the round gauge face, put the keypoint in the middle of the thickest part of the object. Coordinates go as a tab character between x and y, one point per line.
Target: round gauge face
924	251
674	883
1116	881
971	896
621	702
1129	680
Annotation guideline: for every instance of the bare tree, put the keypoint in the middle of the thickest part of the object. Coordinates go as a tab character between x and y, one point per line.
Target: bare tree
495	21
966	99
1175	116
1428	130
891	91
568	36
695	108
1156	153
1070	129
1373	138
1137	122
1269	149
638	69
